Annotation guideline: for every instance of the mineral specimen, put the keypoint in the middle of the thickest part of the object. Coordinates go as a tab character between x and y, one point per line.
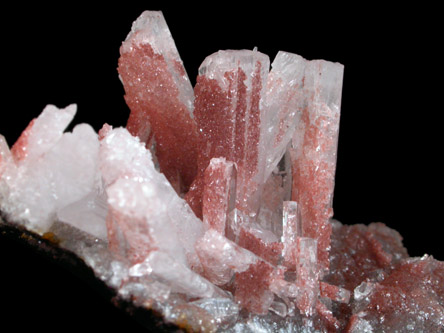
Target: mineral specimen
213	207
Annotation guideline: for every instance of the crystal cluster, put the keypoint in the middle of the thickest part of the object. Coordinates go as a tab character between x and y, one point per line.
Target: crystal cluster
214	205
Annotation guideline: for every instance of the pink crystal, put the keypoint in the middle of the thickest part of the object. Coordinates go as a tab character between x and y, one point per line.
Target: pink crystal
20	147
307	275
353	258
262	243
160	96
252	288
219	193
43	132
413	292
314	152
334	293
326	314
228	91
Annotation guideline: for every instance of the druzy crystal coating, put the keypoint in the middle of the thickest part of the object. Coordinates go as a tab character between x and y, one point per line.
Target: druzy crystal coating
213	206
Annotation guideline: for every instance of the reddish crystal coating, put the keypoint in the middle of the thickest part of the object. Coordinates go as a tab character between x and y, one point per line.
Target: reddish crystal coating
414	291
314	152
331	322
252	288
153	97
128	238
19	149
194	195
354	257
228	117
312	184
104	131
268	250
219	193
382	257
307	275
334	293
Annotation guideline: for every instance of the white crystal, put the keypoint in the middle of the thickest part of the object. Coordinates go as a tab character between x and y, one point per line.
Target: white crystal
322	95
279	308
281	107
57	170
284	289
144	200
216	65
5	154
361	326
363	290
8	170
144	291
179	277
267	236
223	310
291	229
142	215
274	193
121	154
47	130
87	214
221	256
343	295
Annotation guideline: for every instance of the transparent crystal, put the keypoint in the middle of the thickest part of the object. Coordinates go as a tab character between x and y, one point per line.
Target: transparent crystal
223	310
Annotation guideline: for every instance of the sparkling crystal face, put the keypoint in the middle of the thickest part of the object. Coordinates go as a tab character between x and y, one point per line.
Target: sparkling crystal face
213	207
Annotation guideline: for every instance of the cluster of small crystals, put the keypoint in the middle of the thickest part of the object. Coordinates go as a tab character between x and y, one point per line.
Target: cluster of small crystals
214	205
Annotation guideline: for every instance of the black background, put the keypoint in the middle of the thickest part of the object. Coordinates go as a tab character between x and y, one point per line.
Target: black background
389	167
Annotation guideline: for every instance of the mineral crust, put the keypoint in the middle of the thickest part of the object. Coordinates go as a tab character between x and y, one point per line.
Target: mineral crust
213	207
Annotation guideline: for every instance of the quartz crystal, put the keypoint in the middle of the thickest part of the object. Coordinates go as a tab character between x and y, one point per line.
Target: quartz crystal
213	207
